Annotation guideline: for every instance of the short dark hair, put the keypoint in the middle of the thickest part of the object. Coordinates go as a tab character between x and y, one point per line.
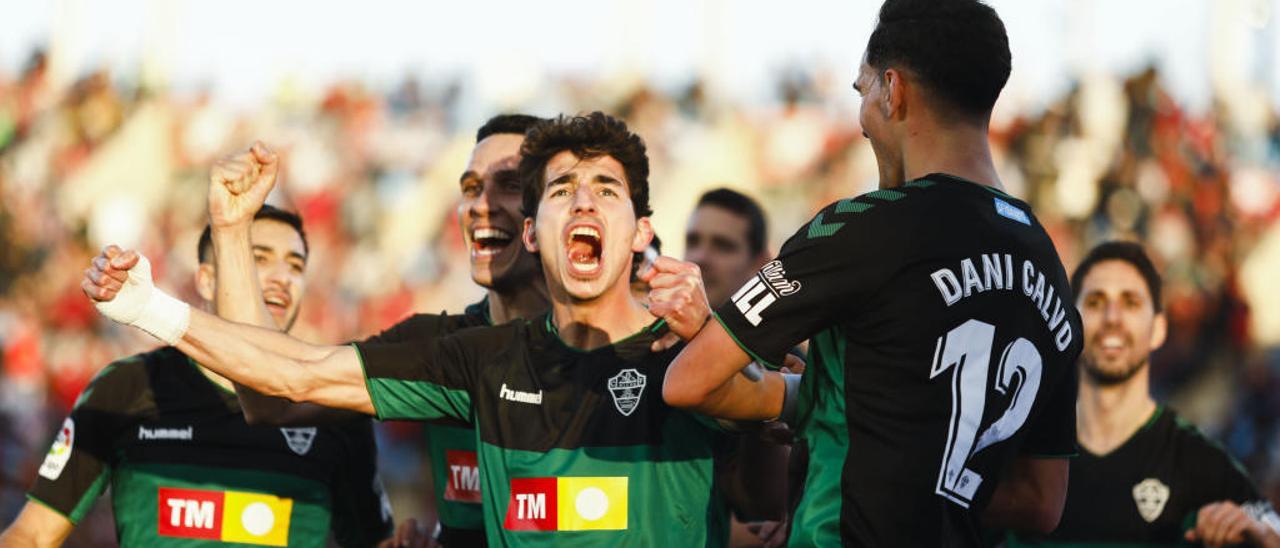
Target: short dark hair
1129	252
741	205
594	135
515	124
204	251
957	48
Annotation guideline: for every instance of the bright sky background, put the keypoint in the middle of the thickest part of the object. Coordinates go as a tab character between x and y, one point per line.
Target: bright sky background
245	48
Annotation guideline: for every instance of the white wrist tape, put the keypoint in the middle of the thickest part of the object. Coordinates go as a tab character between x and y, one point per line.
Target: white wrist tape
140	304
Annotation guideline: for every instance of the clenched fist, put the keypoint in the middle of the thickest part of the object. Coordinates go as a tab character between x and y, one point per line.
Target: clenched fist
676	294
119	283
239	184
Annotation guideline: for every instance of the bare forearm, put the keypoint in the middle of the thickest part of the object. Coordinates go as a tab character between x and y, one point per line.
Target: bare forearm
740	398
247	354
239	297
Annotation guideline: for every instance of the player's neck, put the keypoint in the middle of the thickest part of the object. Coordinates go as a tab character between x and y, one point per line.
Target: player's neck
959	150
1108	415
611	317
527	301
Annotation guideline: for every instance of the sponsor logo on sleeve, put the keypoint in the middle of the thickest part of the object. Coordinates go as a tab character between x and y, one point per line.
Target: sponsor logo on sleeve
626	388
464	477
762	290
567	504
1009	211
299	439
1150	495
60	451
227	516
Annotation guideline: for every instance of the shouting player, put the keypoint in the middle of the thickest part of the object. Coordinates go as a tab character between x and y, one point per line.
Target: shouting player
939	394
491	222
1144	476
575	445
167	435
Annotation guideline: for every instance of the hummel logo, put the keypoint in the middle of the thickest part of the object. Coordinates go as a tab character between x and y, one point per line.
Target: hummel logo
518	396
145	433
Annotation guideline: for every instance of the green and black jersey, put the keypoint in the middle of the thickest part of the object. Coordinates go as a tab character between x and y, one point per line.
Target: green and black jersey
1149	490
575	448
943	343
186	470
451	444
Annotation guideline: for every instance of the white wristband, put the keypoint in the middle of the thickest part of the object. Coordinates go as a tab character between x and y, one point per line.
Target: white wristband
140	304
164	317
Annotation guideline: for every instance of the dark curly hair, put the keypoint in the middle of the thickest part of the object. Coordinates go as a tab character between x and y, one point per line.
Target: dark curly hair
958	49
591	136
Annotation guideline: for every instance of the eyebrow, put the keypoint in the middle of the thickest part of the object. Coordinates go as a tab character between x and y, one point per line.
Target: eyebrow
565	179
607	180
468	175
290	255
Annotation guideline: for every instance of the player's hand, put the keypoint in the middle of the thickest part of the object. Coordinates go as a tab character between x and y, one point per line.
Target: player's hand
1223	523
107	273
409	534
676	294
772	534
239	184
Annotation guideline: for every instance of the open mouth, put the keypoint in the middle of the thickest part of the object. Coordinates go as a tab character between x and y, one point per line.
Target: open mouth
584	248
277	303
1112	343
489	241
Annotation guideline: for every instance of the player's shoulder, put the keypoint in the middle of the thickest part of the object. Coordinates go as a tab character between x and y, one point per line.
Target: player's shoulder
1196	448
428	325
123	382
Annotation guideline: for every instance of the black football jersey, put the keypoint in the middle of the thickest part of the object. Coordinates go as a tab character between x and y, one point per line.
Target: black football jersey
1150	490
943	339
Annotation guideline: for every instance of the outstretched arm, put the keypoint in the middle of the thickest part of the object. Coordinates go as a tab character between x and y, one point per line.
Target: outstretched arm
265	360
36	527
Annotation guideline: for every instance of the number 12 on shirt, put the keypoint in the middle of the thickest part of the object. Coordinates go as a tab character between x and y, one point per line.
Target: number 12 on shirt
966	352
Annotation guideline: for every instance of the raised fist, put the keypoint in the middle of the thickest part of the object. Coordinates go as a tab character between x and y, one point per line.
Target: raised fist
239	184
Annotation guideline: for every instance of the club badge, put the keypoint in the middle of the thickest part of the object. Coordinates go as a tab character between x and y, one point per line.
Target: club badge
299	439
1150	495
626	388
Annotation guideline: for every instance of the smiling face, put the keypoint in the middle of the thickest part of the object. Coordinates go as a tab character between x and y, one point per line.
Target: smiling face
490	213
1121	326
586	229
281	260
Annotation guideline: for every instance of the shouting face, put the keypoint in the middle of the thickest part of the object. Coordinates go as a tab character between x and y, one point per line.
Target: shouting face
586	230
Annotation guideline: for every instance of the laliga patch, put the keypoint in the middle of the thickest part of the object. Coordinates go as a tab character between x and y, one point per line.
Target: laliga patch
1150	496
626	388
1008	211
60	451
299	439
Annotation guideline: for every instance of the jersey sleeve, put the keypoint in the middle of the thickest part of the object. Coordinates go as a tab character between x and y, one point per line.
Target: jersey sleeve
428	379
361	511
78	466
1052	433
419	327
828	267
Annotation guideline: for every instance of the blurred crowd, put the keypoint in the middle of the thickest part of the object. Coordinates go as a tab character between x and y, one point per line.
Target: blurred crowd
374	172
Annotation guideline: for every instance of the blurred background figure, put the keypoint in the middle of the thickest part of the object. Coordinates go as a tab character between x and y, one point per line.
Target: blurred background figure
1144	120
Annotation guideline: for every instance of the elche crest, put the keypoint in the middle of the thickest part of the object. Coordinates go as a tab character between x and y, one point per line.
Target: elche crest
626	388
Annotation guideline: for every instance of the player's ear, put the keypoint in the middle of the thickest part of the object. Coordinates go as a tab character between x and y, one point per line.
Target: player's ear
894	92
529	236
1159	330
206	281
644	235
